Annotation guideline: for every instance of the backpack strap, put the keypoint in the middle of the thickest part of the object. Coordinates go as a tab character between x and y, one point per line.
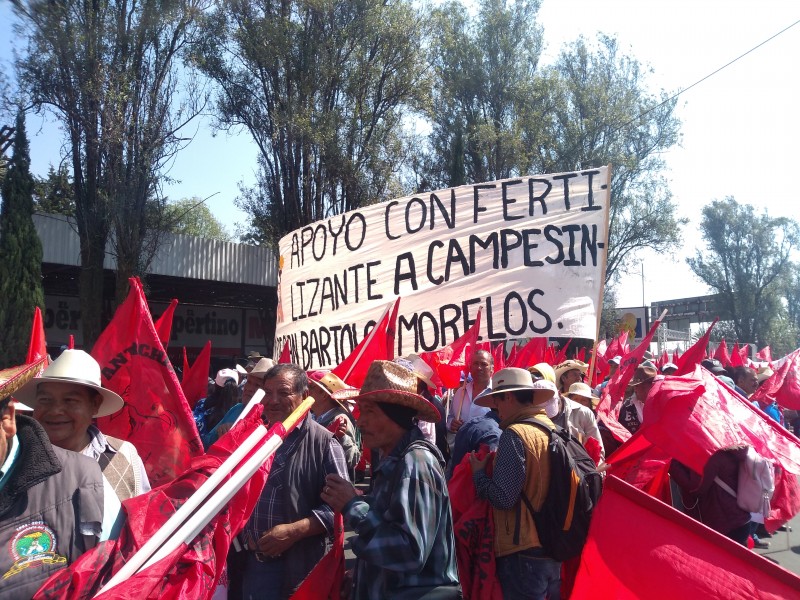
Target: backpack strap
725	486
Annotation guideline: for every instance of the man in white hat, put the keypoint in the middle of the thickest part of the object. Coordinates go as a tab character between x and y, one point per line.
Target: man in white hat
521	468
66	399
404	542
330	393
51	500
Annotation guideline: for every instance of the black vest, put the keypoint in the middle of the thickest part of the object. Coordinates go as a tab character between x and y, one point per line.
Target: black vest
49	494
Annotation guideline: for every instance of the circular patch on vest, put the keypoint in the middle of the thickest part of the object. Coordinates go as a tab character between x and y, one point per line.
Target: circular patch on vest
33	543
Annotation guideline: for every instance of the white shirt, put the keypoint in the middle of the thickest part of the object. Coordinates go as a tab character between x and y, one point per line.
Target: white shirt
462	407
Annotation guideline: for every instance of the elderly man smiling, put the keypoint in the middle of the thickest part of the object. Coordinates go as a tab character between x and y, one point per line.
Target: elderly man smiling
66	399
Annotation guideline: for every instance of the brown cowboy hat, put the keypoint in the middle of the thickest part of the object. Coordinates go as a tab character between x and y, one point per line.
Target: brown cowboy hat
332	385
386	381
645	372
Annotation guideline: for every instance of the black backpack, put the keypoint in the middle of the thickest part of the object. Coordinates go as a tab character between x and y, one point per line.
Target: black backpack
575	486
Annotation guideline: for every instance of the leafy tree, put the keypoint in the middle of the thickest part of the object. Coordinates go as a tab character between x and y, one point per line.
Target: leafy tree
55	193
747	262
191	216
109	71
599	112
322	87
484	84
20	253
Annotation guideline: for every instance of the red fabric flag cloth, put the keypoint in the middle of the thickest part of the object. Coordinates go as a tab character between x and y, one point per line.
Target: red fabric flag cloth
512	355
765	354
639	547
378	344
662	360
783	387
601	366
499	355
473	524
286	354
692	417
156	417
195	378
453	359
695	354
618	346
581	355
37	348
325	580
736	358
194	569
721	354
675	356
744	354
531	353
164	323
561	355
643	466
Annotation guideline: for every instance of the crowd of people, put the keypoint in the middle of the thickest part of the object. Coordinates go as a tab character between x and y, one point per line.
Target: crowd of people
62	480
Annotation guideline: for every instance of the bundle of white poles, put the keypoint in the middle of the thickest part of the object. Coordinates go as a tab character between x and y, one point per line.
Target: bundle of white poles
202	506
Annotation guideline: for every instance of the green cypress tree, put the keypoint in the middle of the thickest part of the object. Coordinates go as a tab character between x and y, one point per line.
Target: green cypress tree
20	254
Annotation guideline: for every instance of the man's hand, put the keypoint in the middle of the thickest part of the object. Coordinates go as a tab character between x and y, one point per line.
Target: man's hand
277	540
455	425
337	492
477	464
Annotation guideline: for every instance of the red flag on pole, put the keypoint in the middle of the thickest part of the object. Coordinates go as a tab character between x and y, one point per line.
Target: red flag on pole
561	355
286	354
695	354
784	385
531	353
37	348
618	346
195	378
499	356
765	354
674	556
325	580
164	323
694	416
453	359
156	417
736	358
721	354
377	345
193	570
512	355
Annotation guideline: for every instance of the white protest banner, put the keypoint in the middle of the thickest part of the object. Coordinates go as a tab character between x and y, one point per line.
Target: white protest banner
530	250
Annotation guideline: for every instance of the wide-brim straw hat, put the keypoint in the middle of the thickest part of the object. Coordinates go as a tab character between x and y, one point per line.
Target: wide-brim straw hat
262	366
569	365
512	379
389	382
76	367
583	390
334	386
13	378
422	370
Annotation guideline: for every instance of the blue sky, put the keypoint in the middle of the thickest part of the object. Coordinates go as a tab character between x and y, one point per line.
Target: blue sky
740	127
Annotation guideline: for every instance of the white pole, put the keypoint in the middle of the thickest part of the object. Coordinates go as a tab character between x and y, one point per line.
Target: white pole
183	513
255	400
214	504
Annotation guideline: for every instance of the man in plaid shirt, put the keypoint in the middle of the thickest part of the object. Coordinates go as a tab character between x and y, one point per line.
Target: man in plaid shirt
289	530
404	530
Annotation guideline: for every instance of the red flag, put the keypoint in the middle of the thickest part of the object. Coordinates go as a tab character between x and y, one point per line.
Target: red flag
662	360
550	355
325	579
473	525
722	354
156	417
377	345
37	348
695	354
499	356
618	346
286	355
581	355
694	416
675	356
674	556
765	354
561	355
512	355
736	358
453	359
601	365
783	387
532	353
164	323
193	570
195	378
744	354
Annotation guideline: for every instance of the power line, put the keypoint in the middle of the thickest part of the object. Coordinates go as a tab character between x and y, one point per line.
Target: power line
699	81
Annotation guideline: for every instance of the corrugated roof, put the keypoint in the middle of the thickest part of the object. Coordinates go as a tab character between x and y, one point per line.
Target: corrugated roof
178	256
